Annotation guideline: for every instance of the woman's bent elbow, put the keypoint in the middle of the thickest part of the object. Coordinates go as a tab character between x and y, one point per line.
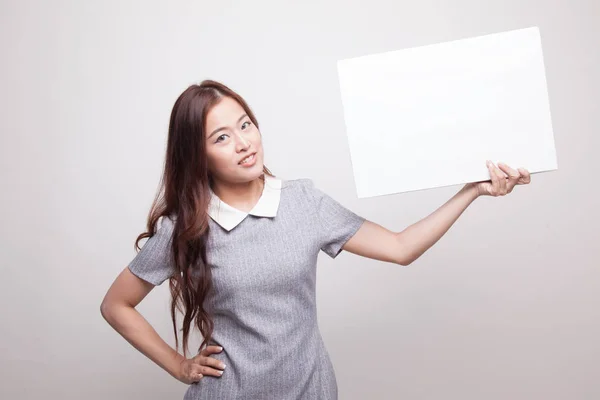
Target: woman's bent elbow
106	310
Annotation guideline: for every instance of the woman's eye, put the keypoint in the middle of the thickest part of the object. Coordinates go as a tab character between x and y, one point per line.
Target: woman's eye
218	139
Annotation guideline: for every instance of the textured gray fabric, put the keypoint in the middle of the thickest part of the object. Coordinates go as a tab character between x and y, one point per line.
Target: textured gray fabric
264	303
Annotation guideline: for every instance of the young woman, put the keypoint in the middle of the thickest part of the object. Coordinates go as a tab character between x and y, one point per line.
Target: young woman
239	247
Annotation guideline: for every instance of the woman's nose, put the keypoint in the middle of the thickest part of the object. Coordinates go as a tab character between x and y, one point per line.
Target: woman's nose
242	142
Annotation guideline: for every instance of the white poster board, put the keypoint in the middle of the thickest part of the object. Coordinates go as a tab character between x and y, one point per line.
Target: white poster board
431	116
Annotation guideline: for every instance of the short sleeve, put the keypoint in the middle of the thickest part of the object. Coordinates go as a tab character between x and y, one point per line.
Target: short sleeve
336	224
153	262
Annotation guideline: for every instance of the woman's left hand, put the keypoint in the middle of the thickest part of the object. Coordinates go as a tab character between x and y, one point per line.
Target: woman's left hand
501	184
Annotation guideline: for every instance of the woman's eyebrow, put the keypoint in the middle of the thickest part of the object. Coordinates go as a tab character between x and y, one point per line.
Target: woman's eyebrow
224	127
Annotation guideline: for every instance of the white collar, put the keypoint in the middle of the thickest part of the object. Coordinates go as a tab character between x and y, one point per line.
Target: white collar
229	217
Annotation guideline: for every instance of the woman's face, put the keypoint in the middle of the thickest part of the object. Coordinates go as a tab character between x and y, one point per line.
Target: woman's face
230	137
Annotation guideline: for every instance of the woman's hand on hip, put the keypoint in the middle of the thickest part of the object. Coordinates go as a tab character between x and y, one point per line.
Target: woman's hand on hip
191	370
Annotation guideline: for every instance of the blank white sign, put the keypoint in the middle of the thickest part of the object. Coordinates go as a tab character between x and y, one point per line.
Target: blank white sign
431	116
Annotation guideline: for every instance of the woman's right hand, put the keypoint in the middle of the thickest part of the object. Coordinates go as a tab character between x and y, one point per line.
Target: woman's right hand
191	370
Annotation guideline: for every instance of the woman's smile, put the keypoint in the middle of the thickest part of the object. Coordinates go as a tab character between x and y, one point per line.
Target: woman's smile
248	161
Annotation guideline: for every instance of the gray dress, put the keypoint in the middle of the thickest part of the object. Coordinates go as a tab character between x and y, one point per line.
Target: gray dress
263	304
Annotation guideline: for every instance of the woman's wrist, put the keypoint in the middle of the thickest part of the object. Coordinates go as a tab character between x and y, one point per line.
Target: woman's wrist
175	366
472	189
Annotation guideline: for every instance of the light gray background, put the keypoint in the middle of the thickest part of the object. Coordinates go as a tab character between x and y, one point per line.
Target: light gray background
504	306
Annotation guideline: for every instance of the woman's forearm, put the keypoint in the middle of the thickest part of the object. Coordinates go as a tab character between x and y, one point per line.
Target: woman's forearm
420	236
140	334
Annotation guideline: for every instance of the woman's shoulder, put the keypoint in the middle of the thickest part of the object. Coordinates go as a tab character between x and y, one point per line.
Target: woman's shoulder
300	187
300	191
298	183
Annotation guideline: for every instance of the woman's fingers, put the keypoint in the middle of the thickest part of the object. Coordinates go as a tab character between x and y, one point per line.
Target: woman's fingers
513	176
498	180
525	177
209	361
208	350
213	362
205	364
503	179
204	370
494	178
196	373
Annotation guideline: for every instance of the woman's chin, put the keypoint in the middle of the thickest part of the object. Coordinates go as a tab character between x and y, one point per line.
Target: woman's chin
252	172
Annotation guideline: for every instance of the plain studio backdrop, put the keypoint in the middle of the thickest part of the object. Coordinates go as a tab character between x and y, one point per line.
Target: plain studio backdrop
504	306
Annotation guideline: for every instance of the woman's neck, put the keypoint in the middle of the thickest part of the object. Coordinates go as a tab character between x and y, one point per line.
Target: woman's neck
242	196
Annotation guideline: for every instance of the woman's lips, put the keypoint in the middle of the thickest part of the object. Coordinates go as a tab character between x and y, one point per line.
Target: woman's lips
251	162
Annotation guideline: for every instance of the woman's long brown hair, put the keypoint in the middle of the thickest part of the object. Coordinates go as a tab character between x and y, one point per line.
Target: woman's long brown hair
184	193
